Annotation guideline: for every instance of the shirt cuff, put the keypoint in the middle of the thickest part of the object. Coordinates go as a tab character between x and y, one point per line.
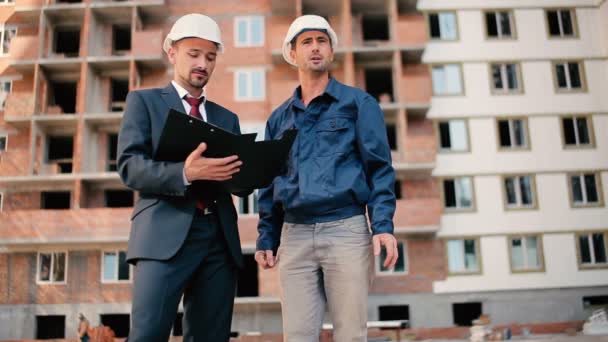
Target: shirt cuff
186	183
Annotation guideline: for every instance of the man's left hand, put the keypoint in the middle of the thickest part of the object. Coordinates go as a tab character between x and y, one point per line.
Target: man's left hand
390	244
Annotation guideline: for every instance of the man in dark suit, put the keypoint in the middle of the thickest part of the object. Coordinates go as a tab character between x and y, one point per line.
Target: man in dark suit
184	238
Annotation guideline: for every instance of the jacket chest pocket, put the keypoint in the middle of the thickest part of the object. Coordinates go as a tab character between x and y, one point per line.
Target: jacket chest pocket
334	135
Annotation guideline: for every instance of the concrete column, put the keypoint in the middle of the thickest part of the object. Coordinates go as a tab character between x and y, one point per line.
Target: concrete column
346	42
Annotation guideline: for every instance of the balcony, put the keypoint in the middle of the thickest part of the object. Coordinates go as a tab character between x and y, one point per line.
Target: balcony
25	230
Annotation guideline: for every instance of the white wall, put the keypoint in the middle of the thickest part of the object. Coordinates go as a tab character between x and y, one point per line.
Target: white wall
561	269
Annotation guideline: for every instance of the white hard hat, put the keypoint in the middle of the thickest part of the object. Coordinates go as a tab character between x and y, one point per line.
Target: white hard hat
194	26
307	23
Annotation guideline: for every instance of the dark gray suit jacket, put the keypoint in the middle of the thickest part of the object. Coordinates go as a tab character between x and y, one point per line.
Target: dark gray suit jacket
163	215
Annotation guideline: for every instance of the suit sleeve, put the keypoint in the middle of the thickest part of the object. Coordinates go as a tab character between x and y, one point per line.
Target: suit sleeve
136	167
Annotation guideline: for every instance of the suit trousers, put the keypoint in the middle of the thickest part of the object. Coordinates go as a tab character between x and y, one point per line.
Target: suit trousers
325	263
203	272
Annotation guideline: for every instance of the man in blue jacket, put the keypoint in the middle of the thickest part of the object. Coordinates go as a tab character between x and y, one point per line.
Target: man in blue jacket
314	213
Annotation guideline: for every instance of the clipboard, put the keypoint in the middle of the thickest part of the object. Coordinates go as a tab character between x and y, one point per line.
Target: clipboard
262	160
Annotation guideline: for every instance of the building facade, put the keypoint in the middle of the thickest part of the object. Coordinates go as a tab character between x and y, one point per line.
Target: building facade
501	162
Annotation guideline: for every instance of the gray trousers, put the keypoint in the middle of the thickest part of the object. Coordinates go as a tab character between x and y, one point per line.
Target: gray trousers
325	263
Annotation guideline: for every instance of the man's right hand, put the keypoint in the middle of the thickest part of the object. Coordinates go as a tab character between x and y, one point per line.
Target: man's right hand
265	259
198	167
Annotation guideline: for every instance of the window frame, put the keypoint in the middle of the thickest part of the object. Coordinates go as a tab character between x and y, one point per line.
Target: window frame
428	27
477	241
500	37
3	107
519	206
3	28
50	281
460	75
392	272
579	256
103	266
510	119
249	71
504	77
438	134
248	19
598	185
446	210
575	31
569	89
590	128
539	249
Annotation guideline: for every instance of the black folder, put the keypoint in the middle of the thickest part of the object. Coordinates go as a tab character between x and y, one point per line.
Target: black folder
262	160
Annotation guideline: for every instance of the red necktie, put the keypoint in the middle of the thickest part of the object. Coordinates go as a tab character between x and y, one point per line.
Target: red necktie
195	112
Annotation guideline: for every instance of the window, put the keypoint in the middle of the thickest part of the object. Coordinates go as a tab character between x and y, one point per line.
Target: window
119	198
453	135
401	267
247	284
442	26
50	327
67	41
249	31
5	89
569	76
7	2
506	78
55	200
526	253
114	267
500	24
577	131
3	143
465	313
519	192
112	153
512	133
391	134
585	189
398	187
52	268
458	193
561	23
447	79
592	249
6	35
249	204
394	312
250	85
463	256
119	323
121	39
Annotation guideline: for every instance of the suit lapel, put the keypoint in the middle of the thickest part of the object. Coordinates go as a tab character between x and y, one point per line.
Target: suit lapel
171	98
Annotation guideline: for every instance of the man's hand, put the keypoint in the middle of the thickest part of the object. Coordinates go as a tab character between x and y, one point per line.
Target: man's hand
265	259
198	167
390	244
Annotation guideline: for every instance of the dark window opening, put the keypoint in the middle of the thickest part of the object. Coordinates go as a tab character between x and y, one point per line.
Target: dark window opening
63	95
504	133
398	194
55	200
247	284
60	151
177	325
2	144
391	134
466	313
119	323
118	198
595	301
120	88
112	152
394	312
449	190
378	82
67	42
444	135
121	36
434	28
50	327
375	28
